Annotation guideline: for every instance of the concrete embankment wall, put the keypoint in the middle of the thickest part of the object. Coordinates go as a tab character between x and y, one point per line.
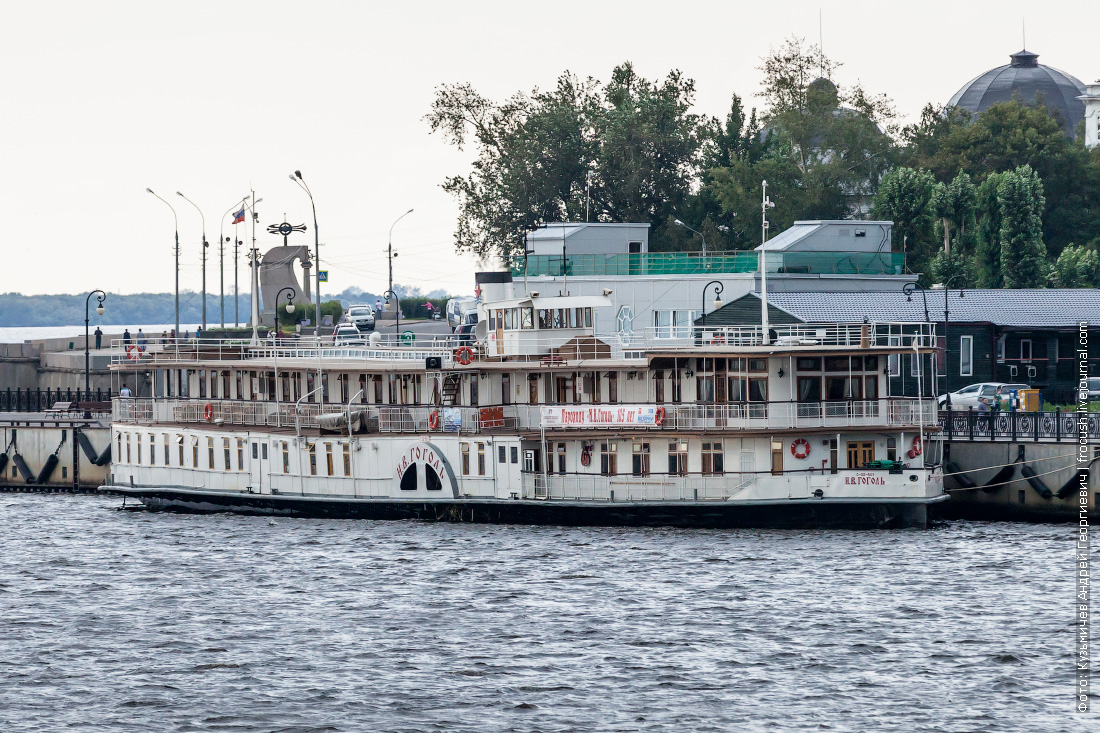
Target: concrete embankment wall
37	443
56	363
1015	499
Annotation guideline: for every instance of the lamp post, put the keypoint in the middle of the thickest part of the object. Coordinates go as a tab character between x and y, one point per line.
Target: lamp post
236	261
222	239
679	223
946	286
289	306
87	358
765	204
175	219
718	290
390	255
387	294
204	246
301	183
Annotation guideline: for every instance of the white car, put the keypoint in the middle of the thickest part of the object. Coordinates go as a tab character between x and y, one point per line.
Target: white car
360	316
971	395
348	335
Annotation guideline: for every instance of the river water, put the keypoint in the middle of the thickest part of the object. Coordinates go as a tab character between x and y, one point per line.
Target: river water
130	621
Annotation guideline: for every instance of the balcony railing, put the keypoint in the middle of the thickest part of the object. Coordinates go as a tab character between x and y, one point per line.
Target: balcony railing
697	263
423	419
1014	426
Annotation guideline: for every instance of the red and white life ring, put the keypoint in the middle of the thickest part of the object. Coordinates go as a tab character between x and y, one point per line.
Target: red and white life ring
208	412
659	417
718	341
133	352
800	448
433	420
918	446
464	355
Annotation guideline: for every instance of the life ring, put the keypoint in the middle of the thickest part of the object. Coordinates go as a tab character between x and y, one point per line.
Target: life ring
718	341
659	417
918	447
133	352
800	448
208	412
433	420
464	355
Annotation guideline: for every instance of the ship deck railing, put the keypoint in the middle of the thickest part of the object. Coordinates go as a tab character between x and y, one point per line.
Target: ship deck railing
889	412
707	263
543	347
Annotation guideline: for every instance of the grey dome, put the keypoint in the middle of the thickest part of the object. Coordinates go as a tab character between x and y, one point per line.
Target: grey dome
1027	77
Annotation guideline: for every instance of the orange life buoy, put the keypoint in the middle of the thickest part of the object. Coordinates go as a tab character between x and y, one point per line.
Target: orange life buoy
208	412
433	420
800	448
718	341
918	447
659	416
133	352
464	355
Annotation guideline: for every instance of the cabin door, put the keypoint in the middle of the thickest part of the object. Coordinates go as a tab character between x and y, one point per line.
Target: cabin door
255	465
500	332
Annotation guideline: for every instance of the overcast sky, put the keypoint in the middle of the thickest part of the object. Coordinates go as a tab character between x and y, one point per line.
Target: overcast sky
216	99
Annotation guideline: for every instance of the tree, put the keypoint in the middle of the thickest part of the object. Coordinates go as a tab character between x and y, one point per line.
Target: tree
1023	254
948	264
1076	267
988	252
630	151
954	204
905	197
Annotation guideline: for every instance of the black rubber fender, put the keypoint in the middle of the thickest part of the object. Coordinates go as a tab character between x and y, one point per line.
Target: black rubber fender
104	457
3	461
24	470
86	446
1069	487
1036	483
999	480
44	474
963	480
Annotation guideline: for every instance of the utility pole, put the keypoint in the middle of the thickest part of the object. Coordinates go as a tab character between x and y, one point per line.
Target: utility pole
765	204
389	257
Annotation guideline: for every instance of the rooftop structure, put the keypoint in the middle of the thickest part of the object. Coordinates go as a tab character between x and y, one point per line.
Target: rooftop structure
1024	75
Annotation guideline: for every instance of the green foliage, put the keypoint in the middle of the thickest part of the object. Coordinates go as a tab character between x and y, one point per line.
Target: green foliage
1076	267
988	253
905	197
955	204
1023	254
303	311
415	307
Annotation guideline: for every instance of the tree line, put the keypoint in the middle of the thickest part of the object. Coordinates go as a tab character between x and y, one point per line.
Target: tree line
1005	198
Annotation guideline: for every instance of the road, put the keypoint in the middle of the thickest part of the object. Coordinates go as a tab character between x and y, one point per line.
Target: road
425	328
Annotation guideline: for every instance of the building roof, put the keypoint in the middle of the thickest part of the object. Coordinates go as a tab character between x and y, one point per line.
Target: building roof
800	230
1036	308
745	311
559	231
1027	77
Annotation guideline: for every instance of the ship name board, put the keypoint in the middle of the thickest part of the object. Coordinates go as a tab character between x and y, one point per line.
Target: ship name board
865	479
598	417
420	453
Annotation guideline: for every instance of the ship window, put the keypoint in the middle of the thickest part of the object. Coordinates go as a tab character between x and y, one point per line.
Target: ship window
118	451
914	365
891	449
202	384
347	459
777	457
837	364
408	479
641	459
525	318
310	381
758	365
312	459
465	459
515	454
138	440
152	449
561	457
502	454
167	454
608	459
431	479
713	464
225	450
480	459
809	389
328	458
809	365
758	390
677	458
194	452
240	454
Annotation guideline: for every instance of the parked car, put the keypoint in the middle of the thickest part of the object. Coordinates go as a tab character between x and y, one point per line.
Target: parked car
457	308
971	395
360	316
1093	387
348	335
465	332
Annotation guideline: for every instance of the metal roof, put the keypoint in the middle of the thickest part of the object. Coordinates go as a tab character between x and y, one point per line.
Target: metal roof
1036	308
1026	76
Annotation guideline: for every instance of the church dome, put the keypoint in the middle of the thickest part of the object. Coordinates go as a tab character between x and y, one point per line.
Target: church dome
1027	77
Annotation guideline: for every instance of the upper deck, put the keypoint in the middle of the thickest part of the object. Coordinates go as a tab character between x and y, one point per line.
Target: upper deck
700	263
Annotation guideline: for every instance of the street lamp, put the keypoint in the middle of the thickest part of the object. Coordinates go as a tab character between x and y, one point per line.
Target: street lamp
204	246
289	306
275	349
679	223
177	224
222	239
87	359
390	255
718	290
296	176
387	294
946	287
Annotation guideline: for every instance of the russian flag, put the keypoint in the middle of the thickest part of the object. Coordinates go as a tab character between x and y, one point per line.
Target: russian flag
239	216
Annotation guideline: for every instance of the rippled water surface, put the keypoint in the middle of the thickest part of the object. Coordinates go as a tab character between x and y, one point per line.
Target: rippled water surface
132	621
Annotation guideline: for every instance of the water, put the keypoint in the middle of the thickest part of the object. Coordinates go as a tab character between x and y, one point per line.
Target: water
120	621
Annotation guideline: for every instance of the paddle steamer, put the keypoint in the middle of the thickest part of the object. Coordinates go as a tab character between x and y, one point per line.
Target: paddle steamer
543	417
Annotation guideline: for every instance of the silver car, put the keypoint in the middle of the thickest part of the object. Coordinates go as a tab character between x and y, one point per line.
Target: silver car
348	335
360	316
971	395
